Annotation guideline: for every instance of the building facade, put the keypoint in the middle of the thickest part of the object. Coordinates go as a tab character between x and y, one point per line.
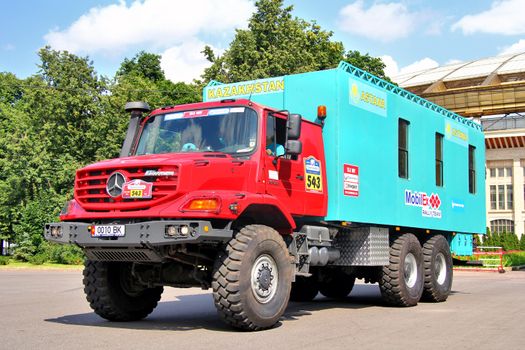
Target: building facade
505	173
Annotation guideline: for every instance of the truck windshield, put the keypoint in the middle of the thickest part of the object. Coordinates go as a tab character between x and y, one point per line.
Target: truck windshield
230	130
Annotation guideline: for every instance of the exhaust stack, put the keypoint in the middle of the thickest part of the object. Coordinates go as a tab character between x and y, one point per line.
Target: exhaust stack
136	110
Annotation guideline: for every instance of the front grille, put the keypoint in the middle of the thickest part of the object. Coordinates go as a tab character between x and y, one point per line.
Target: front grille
122	255
90	188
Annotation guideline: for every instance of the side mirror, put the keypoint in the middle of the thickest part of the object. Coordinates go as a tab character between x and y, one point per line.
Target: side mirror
294	147
293	126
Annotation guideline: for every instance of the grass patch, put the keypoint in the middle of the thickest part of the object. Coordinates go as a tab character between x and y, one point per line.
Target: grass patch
13	264
4	260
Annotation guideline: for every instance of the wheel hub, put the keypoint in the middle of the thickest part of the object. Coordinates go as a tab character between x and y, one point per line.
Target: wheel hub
440	268
410	271
264	278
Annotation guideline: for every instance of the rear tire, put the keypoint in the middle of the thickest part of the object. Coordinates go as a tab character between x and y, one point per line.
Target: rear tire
304	289
252	279
402	280
336	284
438	269
114	294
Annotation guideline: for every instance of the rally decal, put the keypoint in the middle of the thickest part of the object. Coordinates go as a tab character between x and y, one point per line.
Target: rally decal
429	204
137	189
313	175
351	180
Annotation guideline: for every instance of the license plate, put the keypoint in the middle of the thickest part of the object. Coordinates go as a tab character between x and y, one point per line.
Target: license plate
108	231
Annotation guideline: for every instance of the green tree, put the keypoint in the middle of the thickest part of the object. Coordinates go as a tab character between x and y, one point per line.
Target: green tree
277	44
139	79
144	64
522	242
51	131
487	239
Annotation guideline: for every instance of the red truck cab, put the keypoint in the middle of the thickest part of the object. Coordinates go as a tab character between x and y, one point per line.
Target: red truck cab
209	161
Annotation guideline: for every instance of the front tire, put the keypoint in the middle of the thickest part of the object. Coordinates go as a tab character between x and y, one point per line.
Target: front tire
402	280
438	269
252	279
114	294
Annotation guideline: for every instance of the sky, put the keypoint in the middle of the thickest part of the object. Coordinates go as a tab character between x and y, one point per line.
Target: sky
409	35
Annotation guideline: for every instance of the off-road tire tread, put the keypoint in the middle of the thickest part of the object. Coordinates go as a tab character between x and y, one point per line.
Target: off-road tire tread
99	297
389	283
226	279
430	294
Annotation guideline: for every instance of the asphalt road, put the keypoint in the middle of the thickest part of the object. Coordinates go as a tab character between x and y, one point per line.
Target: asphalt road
42	309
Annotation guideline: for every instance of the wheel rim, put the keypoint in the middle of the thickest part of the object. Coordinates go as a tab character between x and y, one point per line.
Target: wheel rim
440	268
410	270
265	278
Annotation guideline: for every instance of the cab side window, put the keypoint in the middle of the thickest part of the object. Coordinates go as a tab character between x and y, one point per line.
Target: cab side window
275	136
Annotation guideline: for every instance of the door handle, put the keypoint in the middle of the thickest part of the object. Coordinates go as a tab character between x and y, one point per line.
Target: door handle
299	177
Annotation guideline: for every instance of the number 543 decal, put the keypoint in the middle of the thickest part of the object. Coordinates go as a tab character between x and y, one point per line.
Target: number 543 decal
313	175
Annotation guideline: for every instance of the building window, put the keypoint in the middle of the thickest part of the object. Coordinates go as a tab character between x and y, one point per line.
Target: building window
492	172
403	148
509	172
471	169
501	197
493	197
510	197
501	225
439	159
501	172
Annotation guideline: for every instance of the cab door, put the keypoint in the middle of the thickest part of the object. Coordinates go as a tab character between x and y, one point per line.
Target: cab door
284	174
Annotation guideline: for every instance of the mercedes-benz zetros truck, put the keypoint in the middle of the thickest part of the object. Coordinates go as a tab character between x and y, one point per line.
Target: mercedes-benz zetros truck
278	189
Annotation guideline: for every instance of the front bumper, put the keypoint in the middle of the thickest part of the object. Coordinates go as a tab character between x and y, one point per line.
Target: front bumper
138	235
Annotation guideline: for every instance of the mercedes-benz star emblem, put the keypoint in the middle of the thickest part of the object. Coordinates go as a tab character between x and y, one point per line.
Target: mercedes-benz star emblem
114	184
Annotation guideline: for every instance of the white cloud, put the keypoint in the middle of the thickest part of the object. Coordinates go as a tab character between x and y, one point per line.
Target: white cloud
185	62
503	17
157	23
381	21
452	61
517	47
392	68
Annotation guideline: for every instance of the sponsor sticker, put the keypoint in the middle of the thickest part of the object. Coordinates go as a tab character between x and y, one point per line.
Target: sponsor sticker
137	189
456	133
313	175
195	114
367	97
173	116
429	204
350	180
458	205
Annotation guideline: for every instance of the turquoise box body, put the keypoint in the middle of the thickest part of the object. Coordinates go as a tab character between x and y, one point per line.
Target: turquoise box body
361	140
